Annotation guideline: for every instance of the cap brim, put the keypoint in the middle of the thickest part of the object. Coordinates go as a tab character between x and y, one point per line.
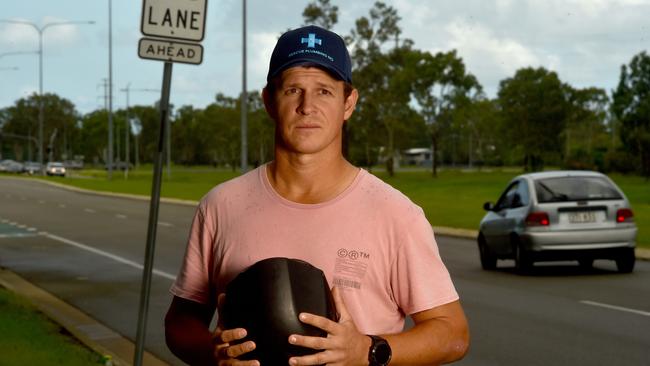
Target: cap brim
294	63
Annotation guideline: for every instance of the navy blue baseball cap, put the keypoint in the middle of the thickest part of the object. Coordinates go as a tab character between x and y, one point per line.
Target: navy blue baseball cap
311	45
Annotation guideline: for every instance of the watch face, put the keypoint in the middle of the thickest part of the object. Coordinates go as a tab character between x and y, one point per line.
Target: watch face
382	353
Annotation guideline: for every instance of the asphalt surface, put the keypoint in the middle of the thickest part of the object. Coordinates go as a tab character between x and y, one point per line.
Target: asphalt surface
88	250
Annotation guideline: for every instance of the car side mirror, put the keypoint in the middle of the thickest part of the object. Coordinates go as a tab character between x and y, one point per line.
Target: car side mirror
488	206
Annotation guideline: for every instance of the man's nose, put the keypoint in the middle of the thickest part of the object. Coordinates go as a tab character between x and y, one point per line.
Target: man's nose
306	104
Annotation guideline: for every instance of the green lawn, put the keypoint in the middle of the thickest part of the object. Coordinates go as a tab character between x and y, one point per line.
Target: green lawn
454	199
27	337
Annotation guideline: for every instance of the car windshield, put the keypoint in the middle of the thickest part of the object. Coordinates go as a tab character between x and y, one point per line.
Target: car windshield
575	189
56	165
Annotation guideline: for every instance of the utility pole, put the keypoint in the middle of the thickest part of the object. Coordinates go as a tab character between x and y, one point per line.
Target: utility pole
110	90
244	99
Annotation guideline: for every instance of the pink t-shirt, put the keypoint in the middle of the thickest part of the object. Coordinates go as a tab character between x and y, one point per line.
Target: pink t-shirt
371	241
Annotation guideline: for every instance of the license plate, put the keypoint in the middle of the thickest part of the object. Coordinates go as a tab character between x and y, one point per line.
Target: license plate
582	217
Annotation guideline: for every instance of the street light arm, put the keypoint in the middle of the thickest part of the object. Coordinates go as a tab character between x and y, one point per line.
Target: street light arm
66	23
39	30
17	53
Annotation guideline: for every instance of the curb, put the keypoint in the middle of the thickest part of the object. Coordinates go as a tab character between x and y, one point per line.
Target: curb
107	194
87	330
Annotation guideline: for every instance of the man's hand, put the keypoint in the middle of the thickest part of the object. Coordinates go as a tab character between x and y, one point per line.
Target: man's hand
344	344
224	353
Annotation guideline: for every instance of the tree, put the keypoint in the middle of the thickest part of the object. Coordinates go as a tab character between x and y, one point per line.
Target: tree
21	119
321	13
631	105
534	107
384	81
443	86
585	131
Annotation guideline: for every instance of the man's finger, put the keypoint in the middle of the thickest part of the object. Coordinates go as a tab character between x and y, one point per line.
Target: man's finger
320	358
340	304
309	342
319	322
230	335
238	349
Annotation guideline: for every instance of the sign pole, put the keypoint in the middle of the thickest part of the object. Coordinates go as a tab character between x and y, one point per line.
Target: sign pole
153	217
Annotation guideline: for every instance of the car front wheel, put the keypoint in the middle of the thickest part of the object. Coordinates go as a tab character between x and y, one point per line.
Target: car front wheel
488	259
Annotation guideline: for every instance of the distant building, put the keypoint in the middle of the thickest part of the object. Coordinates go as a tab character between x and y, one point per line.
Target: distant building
418	156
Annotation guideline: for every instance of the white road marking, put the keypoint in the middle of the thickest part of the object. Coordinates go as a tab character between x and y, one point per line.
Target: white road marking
89	210
108	255
120	216
614	307
62	205
32	229
22	226
162	223
41	202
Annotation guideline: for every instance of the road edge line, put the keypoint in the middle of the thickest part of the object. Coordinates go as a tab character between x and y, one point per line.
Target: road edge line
95	335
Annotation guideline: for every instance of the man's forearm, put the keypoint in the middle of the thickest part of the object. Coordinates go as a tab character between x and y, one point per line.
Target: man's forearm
432	341
190	340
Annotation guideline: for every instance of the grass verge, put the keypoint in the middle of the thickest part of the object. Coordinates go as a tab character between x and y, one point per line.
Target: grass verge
453	199
28	337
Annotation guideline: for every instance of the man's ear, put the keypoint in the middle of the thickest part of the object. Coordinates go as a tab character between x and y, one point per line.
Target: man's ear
350	104
269	103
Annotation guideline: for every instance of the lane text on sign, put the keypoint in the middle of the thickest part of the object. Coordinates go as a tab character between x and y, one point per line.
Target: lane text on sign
184	20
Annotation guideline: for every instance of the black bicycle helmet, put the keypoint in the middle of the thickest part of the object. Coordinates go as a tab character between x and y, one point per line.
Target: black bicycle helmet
266	299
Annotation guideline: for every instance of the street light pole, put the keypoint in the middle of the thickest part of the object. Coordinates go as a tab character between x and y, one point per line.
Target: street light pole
41	113
244	98
110	90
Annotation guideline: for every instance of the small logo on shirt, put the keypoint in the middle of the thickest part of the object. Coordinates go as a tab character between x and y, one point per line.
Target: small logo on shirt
352	254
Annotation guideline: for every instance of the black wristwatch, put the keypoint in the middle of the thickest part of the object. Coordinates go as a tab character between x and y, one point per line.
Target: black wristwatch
380	352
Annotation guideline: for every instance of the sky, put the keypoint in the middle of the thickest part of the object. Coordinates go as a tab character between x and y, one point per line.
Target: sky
585	41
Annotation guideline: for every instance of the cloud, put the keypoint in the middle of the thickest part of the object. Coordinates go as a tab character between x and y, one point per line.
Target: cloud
260	49
476	42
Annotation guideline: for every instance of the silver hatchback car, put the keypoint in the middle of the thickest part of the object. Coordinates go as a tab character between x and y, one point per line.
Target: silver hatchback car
560	215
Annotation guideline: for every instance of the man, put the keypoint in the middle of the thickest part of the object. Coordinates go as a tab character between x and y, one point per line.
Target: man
374	245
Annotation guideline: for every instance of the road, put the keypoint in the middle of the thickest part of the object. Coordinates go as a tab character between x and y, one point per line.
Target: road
88	250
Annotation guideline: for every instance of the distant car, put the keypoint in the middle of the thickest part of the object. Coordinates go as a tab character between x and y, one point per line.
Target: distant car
55	168
561	215
11	166
32	167
119	165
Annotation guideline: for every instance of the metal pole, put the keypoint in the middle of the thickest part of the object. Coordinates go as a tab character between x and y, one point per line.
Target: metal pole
110	90
153	217
41	113
244	99
127	134
168	149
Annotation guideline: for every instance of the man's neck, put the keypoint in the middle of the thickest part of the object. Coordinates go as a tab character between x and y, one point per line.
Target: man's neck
310	179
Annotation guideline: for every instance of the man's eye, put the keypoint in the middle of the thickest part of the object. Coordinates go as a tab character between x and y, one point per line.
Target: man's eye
292	91
325	92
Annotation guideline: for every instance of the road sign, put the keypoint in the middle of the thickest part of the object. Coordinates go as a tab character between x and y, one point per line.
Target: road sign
171	51
177	19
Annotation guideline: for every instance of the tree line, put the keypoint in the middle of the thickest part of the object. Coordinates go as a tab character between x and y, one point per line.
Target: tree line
408	98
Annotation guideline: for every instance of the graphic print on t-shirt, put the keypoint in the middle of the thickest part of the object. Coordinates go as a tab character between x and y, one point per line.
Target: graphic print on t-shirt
350	268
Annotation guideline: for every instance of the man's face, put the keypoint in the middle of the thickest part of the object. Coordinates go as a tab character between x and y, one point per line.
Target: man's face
309	109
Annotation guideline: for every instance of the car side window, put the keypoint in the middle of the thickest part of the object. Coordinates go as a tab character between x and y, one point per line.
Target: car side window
507	198
521	196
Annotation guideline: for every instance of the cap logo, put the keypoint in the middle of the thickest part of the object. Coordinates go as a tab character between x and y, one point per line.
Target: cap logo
311	40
